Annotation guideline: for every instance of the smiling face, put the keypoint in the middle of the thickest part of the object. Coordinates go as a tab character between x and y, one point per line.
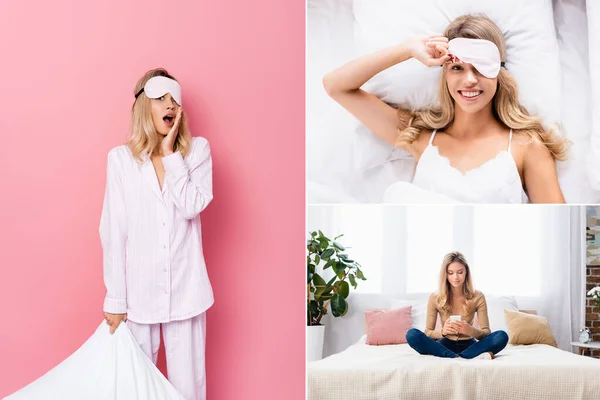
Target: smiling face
456	274
471	91
164	110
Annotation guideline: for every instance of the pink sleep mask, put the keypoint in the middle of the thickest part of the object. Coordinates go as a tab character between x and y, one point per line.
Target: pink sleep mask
159	86
482	54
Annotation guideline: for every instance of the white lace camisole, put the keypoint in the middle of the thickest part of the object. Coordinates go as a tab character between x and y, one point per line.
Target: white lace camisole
495	181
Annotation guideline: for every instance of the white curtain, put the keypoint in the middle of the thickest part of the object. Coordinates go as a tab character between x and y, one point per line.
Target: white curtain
535	253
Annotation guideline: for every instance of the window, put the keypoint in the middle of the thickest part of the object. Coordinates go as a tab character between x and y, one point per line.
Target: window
429	237
362	229
401	249
507	250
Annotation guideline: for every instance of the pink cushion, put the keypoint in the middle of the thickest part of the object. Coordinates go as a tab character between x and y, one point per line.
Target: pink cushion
388	326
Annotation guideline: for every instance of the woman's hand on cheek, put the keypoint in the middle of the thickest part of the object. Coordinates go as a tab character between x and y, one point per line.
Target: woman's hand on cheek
169	141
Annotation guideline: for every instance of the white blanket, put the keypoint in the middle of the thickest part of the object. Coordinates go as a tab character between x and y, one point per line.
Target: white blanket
106	367
408	193
398	372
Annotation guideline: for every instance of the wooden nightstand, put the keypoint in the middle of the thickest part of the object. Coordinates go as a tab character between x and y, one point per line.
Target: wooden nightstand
583	346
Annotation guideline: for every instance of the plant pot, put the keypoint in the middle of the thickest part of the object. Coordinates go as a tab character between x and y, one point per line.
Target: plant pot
314	342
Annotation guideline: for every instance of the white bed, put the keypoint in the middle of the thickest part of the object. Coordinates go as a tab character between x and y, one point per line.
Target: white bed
355	370
398	372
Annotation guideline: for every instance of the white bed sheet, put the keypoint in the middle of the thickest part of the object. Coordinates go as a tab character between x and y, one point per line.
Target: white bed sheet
398	372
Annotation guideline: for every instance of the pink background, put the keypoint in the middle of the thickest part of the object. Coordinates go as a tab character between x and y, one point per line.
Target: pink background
67	75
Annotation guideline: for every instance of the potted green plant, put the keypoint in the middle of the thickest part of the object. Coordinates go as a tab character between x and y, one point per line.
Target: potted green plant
322	294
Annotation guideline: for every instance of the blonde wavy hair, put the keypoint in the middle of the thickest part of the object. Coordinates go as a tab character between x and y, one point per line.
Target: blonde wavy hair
144	138
506	106
445	292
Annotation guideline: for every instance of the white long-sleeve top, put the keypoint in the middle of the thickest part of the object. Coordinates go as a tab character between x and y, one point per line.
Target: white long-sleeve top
154	267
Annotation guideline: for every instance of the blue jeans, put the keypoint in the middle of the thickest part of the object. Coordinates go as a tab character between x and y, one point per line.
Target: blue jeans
447	348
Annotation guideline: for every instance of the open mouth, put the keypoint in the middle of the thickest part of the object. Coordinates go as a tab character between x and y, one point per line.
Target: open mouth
168	119
470	95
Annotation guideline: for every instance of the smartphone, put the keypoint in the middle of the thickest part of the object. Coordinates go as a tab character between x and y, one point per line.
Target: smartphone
454	318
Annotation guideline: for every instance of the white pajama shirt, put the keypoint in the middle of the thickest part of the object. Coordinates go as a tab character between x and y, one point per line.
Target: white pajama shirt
154	267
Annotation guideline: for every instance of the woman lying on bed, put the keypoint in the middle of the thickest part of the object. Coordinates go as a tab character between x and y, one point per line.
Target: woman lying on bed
457	298
488	148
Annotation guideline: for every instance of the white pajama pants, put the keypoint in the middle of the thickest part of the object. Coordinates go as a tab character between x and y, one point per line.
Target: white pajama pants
184	349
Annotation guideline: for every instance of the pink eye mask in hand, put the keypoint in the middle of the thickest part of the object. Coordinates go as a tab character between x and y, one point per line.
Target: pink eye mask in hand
482	54
159	86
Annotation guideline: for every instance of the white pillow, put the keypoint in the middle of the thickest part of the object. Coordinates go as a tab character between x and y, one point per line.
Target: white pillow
105	367
528	28
419	311
496	306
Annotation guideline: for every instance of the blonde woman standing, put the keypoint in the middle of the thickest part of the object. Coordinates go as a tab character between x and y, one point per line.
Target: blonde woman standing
154	271
458	337
480	145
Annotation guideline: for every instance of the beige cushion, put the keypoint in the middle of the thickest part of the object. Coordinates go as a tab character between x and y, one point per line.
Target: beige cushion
528	329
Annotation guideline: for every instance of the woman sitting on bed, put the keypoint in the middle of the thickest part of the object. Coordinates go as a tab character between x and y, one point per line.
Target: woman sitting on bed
479	145
456	297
